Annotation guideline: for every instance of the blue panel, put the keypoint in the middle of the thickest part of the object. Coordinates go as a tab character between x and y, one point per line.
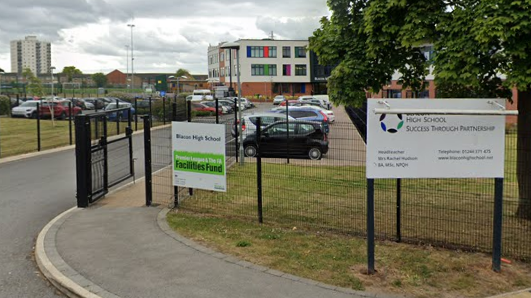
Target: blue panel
248	51
303	88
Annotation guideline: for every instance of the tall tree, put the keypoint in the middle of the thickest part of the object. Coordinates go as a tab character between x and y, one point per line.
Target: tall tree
474	42
70	71
100	79
34	83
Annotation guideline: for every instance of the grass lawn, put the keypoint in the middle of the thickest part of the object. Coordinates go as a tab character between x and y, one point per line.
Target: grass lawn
414	271
312	215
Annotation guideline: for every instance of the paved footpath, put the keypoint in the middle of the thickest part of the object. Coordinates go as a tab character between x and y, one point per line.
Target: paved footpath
126	250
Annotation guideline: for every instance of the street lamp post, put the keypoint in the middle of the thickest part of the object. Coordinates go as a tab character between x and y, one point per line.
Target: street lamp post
127	62
177	79
51	105
132	58
236	46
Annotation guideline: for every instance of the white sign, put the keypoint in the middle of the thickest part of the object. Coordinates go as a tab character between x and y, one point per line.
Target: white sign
199	155
435	146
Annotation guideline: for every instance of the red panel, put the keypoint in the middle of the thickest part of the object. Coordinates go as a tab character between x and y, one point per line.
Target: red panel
266	52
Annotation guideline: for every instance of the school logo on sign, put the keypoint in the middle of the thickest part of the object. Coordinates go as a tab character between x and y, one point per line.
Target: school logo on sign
391	123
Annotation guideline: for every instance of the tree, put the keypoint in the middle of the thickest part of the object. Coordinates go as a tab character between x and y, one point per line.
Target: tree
474	41
34	83
100	79
183	72
70	71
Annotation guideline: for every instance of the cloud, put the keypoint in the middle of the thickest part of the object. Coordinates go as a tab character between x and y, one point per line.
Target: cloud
168	34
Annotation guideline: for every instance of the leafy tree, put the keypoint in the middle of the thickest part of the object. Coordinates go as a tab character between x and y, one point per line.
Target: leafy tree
70	71
183	72
34	83
100	79
474	42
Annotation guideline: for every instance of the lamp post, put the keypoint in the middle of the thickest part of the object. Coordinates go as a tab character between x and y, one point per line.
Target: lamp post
51	105
132	58
236	46
177	79
127	62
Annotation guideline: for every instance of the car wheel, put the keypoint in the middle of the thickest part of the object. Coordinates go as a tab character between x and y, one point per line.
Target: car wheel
62	116
250	150
34	115
315	153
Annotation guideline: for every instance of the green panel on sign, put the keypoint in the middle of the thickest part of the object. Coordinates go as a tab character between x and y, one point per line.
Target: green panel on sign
196	162
266	69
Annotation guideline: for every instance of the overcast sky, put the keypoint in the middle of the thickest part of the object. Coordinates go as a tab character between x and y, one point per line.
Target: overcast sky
168	34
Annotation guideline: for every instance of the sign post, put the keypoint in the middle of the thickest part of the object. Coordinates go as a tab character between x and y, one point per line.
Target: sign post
443	138
199	156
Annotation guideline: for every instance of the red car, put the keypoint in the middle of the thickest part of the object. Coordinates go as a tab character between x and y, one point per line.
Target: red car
199	107
60	109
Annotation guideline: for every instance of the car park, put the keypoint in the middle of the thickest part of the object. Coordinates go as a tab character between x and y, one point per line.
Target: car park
227	103
314	100
249	122
121	115
61	109
306	139
27	109
278	99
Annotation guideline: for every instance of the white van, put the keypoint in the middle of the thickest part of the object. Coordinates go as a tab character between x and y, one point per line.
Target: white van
204	93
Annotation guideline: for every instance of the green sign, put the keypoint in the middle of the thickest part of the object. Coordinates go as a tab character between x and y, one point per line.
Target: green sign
195	162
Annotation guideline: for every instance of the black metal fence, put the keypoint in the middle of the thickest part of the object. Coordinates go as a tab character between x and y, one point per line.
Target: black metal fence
330	194
102	161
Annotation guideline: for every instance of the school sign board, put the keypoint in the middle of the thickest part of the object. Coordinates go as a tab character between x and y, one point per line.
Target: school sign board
199	155
435	146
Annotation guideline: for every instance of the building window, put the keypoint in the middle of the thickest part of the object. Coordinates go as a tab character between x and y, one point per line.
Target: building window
286	70
300	52
222	57
286	52
272	52
263	69
300	69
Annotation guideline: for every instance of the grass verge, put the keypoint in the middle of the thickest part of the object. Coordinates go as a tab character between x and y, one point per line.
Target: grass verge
413	271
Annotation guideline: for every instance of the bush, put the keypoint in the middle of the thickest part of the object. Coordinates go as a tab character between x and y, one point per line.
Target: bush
5	105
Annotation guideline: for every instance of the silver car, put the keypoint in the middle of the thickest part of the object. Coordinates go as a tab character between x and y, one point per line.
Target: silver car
249	122
27	109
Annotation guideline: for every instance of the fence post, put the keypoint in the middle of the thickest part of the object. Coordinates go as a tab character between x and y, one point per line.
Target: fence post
189	109
287	131
497	226
259	168
175	188
370	226
70	121
150	112
38	127
164	110
236	149
147	159
136	114
118	116
83	160
398	210
217	109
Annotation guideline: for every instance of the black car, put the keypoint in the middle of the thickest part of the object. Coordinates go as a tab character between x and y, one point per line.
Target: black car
306	139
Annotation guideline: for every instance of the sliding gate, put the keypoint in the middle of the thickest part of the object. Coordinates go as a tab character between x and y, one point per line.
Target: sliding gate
104	153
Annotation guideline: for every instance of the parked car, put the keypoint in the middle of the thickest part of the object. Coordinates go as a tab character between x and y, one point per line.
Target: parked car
291	103
306	139
98	103
249	122
325	98
233	101
27	109
227	103
199	107
278	99
60	109
123	114
314	100
212	104
329	113
308	114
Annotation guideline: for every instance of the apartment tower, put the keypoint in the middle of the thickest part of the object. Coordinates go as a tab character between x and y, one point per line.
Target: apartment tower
31	53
